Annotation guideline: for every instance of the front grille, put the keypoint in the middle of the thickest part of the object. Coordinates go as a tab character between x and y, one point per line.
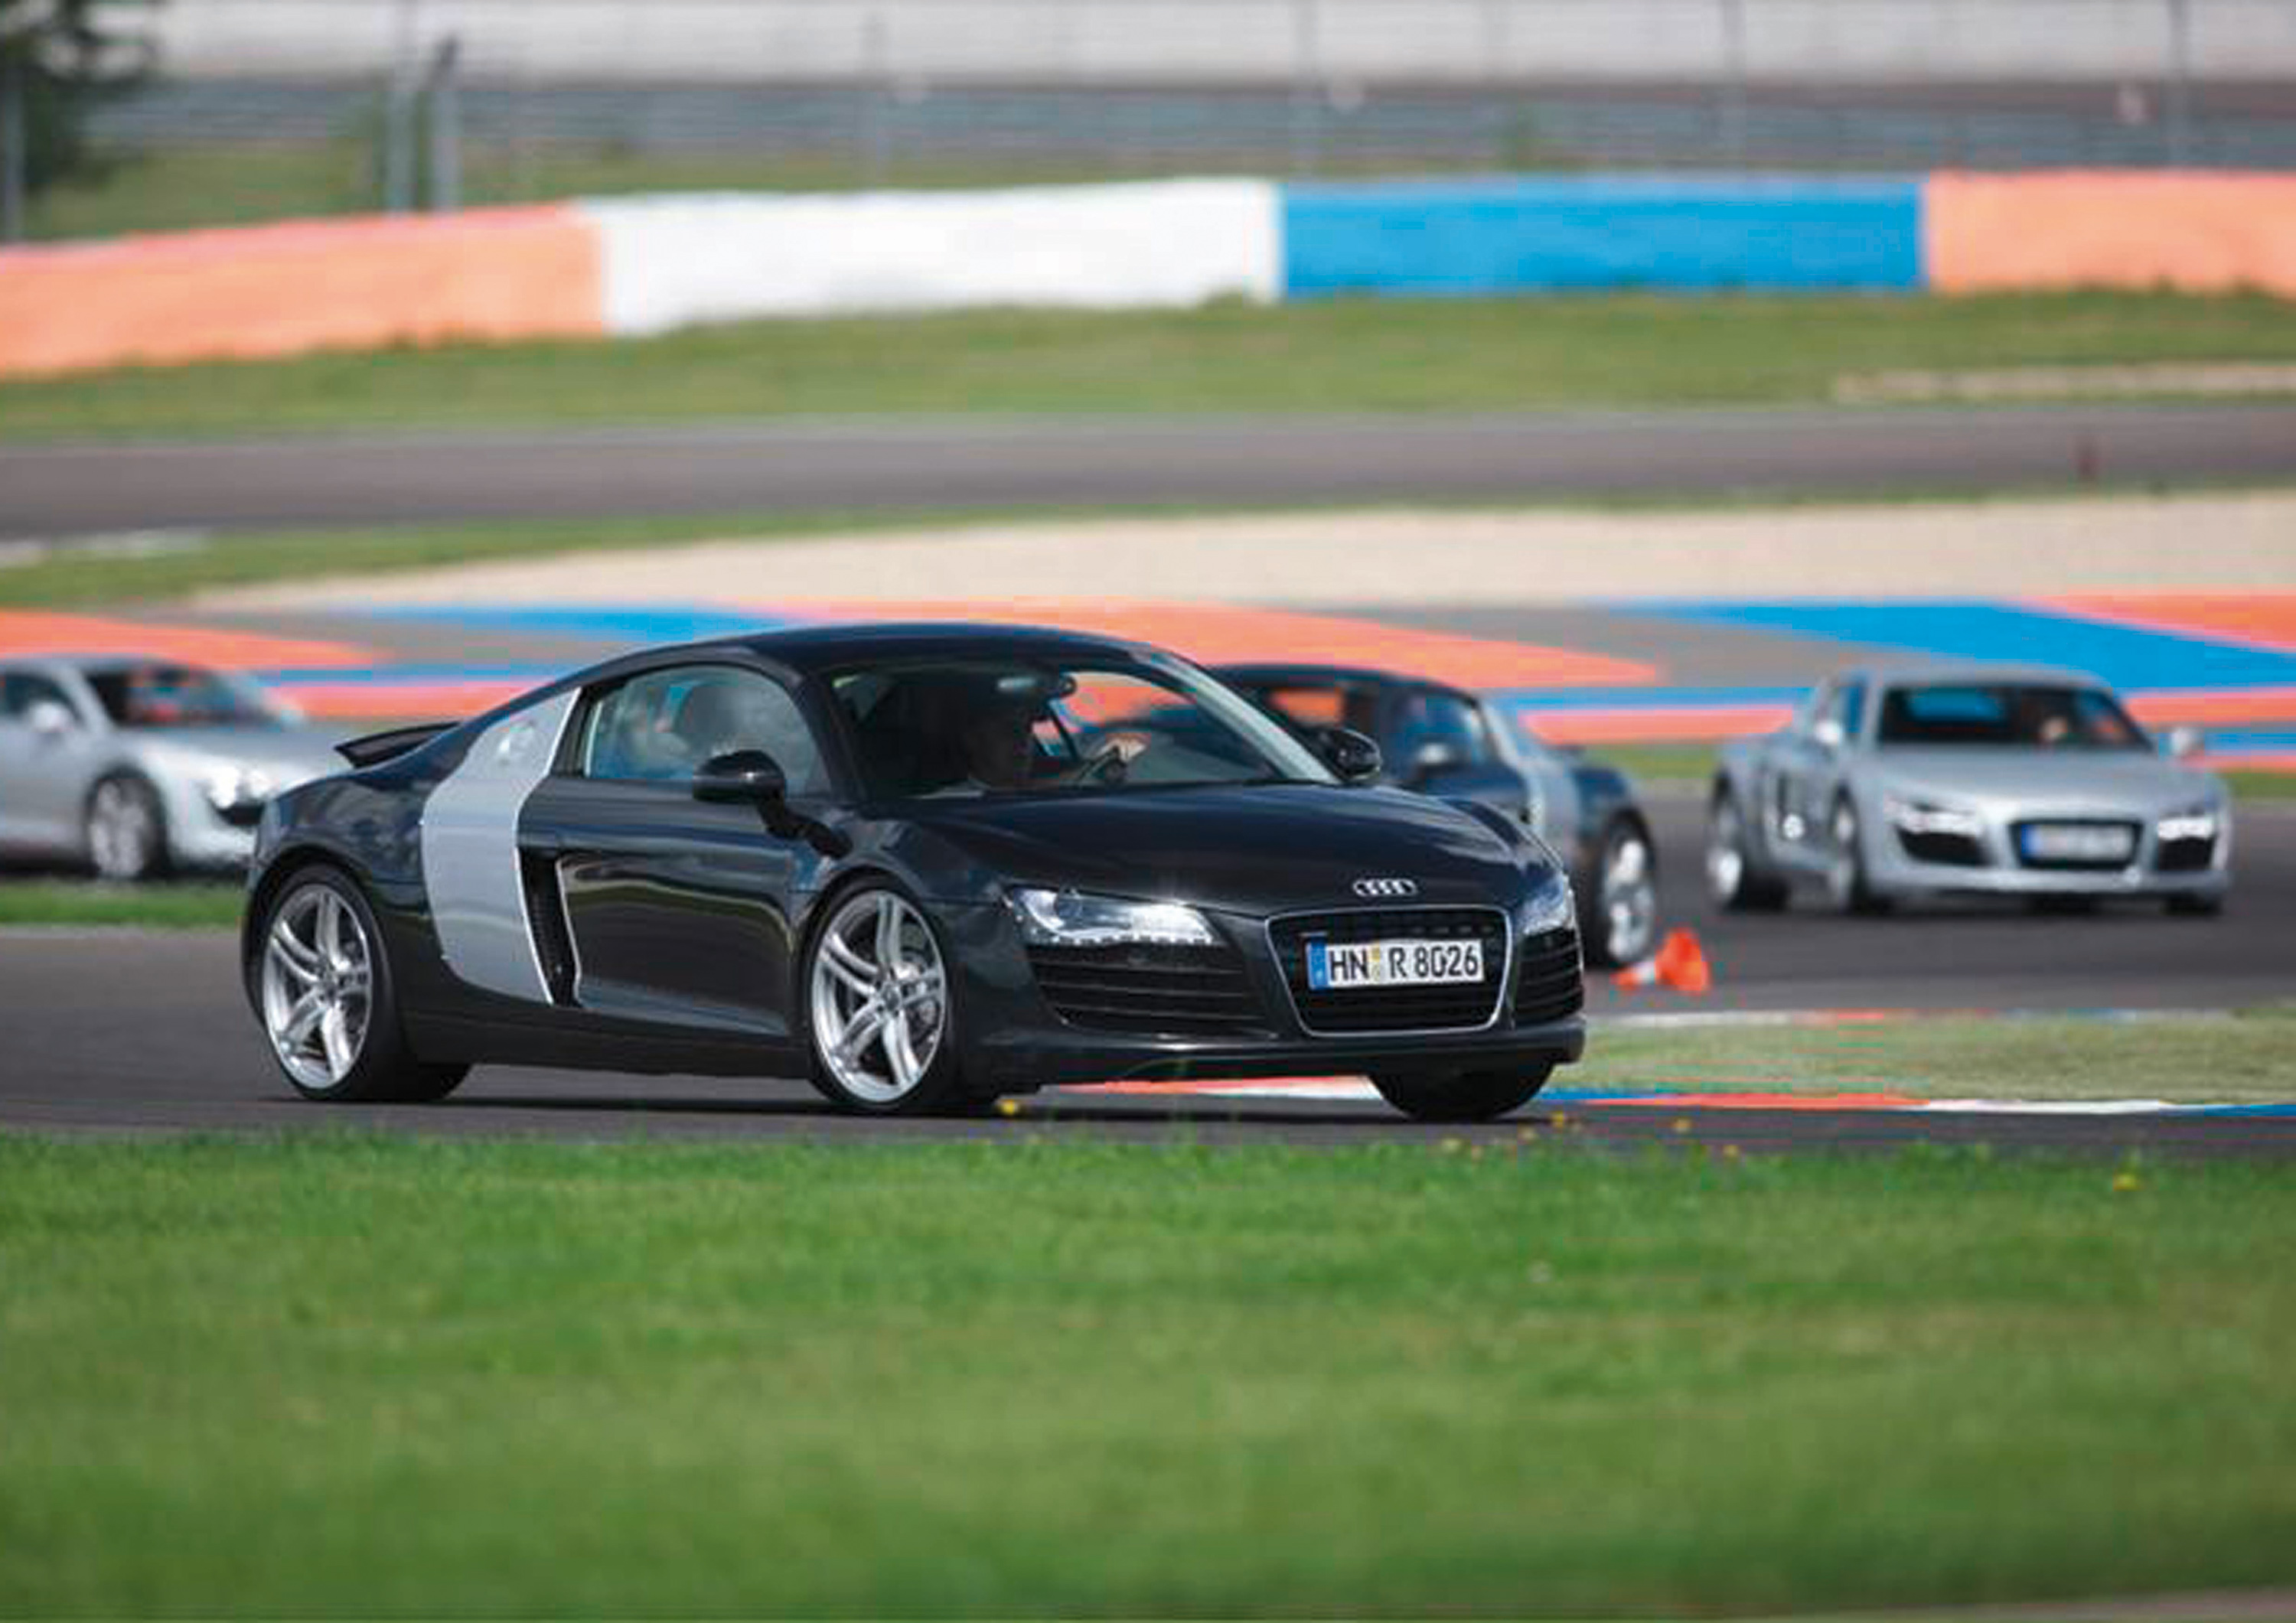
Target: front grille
2075	865
1372	1009
1953	850
1149	990
2185	855
1549	982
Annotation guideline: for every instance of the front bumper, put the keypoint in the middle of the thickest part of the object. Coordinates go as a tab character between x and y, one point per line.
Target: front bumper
1013	1039
1990	865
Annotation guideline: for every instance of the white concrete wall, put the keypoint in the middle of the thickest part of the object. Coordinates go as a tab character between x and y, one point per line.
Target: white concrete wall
672	261
1216	40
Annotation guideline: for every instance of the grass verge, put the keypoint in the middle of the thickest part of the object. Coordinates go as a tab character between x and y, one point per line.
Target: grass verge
184	904
1328	355
339	1376
2248	1058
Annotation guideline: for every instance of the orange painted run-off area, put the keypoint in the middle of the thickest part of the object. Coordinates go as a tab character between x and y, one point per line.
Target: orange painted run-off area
283	289
1213	634
2191	230
2265	618
34	631
396	702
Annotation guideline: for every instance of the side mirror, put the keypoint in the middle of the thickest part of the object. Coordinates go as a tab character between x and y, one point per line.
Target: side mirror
1829	734
746	775
2183	742
1349	753
1435	757
49	718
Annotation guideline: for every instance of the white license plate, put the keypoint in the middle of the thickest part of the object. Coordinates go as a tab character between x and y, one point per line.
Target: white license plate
1344	967
2079	842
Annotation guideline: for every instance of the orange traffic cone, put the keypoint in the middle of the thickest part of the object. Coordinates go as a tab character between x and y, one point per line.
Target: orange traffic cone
1679	964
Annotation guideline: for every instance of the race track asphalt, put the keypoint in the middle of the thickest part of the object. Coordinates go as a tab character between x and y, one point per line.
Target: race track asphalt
145	1032
62	490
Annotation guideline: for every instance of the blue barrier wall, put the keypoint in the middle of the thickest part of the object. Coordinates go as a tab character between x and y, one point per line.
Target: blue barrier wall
1504	235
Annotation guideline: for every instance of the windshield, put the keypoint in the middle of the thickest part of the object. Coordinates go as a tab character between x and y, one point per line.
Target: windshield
972	727
2012	714
182	696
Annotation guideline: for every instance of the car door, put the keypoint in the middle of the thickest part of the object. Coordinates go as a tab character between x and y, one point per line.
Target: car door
674	911
1441	742
1805	768
45	770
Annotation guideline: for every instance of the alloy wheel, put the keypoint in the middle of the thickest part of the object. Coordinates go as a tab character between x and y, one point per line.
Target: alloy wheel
318	987
1628	898
123	831
1726	857
880	998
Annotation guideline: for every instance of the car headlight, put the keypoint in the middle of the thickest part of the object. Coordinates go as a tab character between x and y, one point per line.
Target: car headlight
1550	906
1064	918
228	787
2193	823
1924	817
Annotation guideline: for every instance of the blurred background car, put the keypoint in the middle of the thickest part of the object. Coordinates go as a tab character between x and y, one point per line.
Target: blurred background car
2008	781
1445	741
134	769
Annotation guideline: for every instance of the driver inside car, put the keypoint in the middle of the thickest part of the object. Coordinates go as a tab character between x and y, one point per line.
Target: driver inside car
994	724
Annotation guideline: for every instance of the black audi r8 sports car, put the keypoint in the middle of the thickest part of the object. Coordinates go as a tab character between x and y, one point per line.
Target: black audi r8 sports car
924	867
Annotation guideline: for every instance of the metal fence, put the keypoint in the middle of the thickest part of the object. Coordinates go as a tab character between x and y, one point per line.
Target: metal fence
539	98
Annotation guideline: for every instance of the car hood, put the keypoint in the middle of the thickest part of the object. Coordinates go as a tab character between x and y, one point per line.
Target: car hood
1248	849
288	755
2129	781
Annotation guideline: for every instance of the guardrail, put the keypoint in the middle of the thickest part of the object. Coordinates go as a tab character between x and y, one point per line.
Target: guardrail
639	265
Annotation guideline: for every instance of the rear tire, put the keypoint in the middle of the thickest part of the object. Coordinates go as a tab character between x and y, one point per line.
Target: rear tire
1479	1095
323	989
1737	882
1622	891
125	830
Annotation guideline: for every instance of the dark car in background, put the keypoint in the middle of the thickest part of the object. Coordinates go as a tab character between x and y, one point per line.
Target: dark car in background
1440	740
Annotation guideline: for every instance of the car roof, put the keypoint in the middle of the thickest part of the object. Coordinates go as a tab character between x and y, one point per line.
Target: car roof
1363	675
1906	673
813	648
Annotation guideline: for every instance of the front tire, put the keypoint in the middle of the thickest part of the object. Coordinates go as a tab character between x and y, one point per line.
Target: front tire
882	1024
125	830
1846	882
1624	889
1480	1096
323	990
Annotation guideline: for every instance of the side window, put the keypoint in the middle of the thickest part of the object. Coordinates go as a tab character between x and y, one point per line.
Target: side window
1846	705
1429	720
661	727
20	690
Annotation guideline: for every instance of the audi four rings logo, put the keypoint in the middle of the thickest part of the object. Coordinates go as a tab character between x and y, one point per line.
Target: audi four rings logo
1369	889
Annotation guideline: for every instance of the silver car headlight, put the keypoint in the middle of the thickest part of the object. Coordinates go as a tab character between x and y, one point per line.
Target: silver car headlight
1927	817
1550	906
1066	918
2193	823
229	788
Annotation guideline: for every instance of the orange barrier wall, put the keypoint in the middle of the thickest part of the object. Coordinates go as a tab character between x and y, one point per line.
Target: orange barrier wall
283	289
2198	232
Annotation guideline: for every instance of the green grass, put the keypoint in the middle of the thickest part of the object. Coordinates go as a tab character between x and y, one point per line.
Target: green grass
341	1376
2248	1058
2251	785
1327	355
183	905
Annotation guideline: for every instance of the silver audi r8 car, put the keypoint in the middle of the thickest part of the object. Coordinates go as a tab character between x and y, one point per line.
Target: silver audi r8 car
135	767
1895	782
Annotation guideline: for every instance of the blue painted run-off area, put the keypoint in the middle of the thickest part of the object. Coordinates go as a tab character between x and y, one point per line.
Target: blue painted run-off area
1503	234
